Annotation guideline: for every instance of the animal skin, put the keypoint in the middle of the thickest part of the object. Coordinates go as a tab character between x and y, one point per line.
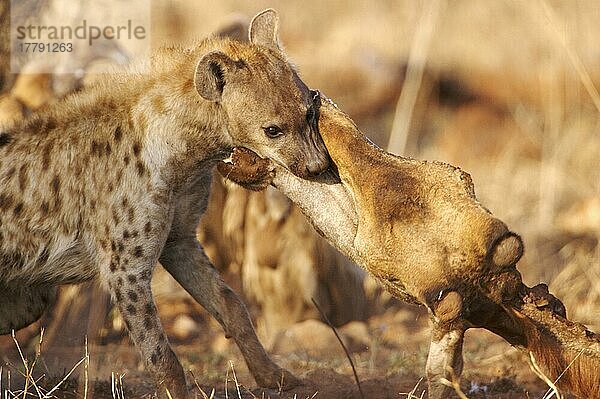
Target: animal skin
418	228
111	180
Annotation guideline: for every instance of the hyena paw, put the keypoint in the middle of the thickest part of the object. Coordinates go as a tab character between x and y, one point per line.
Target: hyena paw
280	379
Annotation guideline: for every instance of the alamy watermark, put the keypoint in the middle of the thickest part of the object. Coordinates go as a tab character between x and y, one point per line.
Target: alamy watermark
71	36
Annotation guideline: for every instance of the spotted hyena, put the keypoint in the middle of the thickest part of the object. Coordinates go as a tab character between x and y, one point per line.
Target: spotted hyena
111	180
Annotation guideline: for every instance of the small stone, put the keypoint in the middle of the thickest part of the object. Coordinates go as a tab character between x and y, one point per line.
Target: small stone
184	327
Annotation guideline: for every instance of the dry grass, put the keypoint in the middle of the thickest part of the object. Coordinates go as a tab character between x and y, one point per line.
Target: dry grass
27	370
412	393
35	384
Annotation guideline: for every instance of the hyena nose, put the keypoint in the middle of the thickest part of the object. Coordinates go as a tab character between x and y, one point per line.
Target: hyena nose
317	165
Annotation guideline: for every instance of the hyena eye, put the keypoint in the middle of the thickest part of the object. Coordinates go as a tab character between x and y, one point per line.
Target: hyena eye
273	131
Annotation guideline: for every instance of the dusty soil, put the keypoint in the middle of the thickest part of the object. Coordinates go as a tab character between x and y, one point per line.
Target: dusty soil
389	352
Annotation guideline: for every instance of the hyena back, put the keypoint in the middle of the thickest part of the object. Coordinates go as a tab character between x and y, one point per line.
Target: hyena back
113	179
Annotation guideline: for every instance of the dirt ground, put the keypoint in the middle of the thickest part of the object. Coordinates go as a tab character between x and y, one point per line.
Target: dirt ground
388	350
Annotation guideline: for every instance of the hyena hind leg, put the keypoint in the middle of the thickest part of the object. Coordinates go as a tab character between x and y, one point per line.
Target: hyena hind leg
22	305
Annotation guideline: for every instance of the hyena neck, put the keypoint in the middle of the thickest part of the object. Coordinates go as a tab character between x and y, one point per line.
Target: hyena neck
179	132
156	118
182	133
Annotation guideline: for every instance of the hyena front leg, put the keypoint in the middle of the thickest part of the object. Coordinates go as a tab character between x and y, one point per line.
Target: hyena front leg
188	264
129	275
22	305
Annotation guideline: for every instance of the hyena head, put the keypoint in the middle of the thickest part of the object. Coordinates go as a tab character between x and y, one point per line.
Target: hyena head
269	109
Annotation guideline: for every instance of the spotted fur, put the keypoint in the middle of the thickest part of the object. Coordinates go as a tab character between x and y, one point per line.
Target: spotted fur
107	182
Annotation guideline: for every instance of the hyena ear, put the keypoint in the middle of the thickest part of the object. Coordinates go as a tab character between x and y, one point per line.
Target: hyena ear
264	28
211	75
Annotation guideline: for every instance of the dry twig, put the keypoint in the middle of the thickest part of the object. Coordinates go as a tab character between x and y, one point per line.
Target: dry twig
362	395
538	371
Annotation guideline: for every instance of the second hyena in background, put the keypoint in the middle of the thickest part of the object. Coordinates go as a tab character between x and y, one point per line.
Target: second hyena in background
111	180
